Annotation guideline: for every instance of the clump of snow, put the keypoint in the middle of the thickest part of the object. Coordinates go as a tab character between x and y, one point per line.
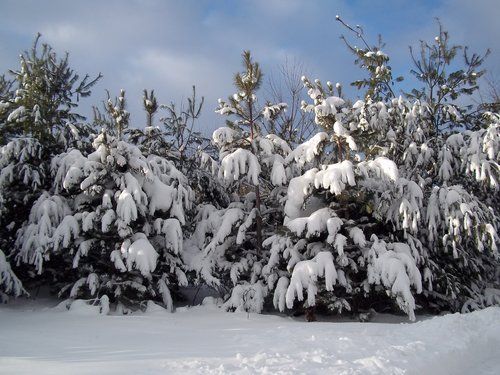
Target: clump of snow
279	144
335	177
166	296
305	275
225	224
309	150
298	189
271	111
223	136
313	225
240	162
329	106
279	297
140	254
278	173
161	195
394	267
247	297
381	167
126	207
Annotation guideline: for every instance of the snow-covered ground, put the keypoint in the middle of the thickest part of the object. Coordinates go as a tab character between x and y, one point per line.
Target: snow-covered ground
205	340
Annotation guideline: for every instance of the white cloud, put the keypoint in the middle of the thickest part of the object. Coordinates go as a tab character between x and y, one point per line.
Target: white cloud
63	33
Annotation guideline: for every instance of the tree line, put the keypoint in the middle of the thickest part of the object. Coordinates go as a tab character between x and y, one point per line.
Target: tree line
388	202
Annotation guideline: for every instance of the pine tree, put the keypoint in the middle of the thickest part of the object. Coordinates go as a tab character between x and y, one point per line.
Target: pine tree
118	113
150	106
243	106
251	169
45	88
445	81
37	121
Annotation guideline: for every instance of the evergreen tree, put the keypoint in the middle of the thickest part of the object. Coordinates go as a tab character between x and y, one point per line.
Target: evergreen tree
118	114
445	81
150	106
45	89
242	105
349	218
441	210
116	219
36	122
9	282
227	251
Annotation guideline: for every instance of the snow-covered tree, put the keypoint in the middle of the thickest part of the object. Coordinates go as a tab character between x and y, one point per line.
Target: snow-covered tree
9	282
227	241
22	179
443	206
37	121
444	80
458	174
350	219
119	227
45	89
178	139
119	116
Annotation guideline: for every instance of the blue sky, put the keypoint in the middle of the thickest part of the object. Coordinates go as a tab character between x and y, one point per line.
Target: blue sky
171	45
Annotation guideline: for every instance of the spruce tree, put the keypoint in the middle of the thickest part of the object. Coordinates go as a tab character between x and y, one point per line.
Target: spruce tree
349	219
115	218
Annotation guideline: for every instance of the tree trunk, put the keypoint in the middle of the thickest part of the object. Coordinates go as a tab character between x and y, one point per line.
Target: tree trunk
258	219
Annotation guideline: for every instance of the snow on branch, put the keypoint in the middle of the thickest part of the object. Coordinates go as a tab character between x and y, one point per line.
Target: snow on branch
238	163
305	275
309	150
381	167
247	297
313	225
393	266
224	136
334	177
228	221
140	254
9	282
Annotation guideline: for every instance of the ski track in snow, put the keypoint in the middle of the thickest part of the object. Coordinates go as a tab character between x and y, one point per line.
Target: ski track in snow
205	340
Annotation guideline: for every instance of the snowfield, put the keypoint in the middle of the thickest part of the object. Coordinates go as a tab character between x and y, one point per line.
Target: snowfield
206	340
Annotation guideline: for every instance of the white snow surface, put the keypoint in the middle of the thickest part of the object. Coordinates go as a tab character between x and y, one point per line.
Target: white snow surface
207	340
